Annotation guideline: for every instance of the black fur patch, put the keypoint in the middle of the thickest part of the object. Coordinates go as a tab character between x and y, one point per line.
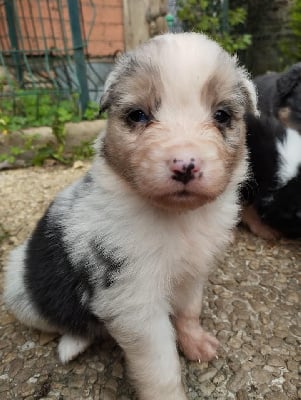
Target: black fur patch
60	292
263	156
288	80
112	264
283	211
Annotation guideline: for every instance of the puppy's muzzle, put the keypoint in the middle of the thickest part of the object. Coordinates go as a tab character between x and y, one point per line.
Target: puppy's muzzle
185	169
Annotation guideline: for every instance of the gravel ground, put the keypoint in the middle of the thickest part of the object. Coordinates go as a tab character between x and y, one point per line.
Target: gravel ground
252	305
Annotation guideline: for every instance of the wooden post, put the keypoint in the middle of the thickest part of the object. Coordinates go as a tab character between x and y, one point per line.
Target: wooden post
143	19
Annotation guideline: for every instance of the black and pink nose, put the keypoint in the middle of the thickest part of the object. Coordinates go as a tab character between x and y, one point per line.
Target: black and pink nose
184	170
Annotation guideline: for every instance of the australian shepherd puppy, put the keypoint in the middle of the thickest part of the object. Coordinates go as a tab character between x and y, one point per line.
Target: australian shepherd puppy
128	247
273	193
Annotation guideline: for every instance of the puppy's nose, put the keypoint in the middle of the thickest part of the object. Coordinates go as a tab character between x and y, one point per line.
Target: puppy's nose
184	170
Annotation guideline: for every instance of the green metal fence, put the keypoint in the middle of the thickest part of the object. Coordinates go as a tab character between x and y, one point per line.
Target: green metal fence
43	53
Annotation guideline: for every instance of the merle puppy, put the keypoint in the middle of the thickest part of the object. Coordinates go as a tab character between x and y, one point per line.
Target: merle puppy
129	245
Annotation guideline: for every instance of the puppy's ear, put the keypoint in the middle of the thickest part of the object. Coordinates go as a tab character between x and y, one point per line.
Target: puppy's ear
250	93
122	67
106	98
288	80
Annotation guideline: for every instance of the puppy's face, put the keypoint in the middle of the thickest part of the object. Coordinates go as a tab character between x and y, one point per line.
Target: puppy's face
176	131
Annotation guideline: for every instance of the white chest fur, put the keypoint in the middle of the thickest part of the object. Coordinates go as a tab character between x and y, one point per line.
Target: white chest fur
290	155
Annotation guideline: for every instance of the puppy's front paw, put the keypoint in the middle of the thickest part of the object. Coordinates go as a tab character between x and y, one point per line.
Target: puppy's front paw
70	347
197	344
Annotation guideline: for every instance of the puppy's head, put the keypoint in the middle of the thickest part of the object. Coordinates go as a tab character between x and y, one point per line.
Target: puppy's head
288	104
176	130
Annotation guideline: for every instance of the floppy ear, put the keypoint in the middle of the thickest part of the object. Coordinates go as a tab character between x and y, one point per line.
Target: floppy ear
106	98
248	89
124	65
288	80
250	92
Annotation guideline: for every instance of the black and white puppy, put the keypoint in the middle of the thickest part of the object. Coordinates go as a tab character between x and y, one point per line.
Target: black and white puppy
274	141
129	245
273	192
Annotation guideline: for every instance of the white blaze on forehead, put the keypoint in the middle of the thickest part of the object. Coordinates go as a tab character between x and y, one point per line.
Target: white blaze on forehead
192	56
187	63
290	155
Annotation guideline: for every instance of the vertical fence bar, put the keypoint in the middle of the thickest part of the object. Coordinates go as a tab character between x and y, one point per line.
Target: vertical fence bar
79	56
225	12
11	19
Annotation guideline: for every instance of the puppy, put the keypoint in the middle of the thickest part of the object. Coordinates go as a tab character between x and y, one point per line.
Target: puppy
273	192
274	141
129	245
279	96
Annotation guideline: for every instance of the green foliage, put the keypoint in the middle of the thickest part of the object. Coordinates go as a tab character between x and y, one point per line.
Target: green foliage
290	47
26	110
83	151
92	111
221	24
33	110
49	151
15	151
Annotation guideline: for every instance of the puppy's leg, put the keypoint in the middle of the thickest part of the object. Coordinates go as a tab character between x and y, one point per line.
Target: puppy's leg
150	349
251	218
195	343
71	346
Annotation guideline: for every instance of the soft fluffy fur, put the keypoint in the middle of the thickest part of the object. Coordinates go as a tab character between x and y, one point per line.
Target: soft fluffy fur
274	142
129	245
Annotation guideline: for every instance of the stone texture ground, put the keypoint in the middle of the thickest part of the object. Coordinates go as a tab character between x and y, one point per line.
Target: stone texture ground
252	305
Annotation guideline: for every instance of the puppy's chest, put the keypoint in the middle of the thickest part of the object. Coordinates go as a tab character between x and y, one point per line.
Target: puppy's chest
146	244
169	248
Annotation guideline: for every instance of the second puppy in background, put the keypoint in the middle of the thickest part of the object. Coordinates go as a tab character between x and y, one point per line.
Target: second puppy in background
273	193
129	246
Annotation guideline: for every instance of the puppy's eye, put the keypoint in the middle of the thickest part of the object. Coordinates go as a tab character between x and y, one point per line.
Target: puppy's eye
222	116
138	116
